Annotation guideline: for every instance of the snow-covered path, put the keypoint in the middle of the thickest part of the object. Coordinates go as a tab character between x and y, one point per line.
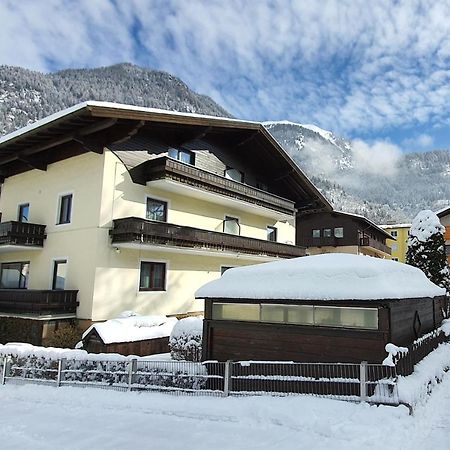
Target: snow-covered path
38	417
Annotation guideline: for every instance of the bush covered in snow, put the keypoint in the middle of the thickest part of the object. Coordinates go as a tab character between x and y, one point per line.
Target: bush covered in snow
426	248
186	339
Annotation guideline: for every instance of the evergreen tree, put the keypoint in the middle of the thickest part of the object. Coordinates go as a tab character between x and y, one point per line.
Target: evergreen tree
426	248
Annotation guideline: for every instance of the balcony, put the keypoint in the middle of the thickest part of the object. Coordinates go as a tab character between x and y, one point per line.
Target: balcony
17	236
133	231
369	242
38	302
165	168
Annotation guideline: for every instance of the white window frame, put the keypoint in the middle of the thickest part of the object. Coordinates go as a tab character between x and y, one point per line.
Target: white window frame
232	217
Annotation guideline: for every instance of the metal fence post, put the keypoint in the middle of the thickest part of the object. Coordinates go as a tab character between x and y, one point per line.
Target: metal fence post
363	380
6	368
227	384
132	368
61	367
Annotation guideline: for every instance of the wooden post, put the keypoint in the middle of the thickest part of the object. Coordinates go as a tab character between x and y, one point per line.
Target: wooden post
6	368
61	367
227	384
363	380
132	367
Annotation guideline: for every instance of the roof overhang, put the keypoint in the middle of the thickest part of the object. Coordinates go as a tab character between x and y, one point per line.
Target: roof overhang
91	126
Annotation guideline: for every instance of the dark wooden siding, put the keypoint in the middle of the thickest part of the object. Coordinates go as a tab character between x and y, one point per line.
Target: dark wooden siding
405	327
262	341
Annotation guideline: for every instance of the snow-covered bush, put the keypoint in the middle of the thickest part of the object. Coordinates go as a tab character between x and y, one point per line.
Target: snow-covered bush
186	339
426	248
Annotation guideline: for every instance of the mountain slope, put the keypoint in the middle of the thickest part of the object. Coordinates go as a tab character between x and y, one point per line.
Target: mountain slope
26	96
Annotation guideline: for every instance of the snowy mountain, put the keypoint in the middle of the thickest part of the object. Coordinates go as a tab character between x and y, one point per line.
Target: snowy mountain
26	96
388	187
394	187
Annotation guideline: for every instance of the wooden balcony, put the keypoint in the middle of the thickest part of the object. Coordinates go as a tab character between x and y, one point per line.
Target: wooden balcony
21	234
369	242
38	302
168	168
133	230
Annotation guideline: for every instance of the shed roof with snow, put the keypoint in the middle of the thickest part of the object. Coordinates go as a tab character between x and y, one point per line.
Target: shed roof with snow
323	277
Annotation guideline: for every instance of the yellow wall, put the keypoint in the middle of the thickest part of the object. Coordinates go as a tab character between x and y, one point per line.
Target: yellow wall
399	246
108	280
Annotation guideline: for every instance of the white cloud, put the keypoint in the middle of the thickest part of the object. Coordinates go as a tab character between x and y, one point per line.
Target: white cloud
342	65
420	142
378	158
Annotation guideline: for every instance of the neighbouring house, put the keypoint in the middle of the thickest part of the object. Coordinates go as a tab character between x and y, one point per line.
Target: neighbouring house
399	242
340	232
323	308
444	217
133	335
109	207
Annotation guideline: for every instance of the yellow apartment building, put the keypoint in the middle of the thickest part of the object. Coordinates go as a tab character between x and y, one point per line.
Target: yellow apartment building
108	207
399	244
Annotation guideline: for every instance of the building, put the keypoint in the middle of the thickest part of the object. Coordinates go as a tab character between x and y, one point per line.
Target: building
323	308
109	207
399	244
339	232
444	217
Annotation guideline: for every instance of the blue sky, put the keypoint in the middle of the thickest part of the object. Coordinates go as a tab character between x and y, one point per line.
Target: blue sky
377	71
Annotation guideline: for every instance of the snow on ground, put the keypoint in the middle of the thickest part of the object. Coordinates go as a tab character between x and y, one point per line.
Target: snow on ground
41	417
334	276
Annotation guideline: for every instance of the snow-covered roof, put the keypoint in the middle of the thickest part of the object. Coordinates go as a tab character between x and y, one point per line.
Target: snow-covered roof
334	276
123	107
395	225
133	328
443	211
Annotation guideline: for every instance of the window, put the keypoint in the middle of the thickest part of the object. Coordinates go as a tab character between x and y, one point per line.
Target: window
184	156
234	174
328	316
223	269
394	259
394	247
272	234
156	210
236	311
65	209
59	274
447	250
231	225
14	275
394	233
23	213
339	232
152	277
316	233
327	232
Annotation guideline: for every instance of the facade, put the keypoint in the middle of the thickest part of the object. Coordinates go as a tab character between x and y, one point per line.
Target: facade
399	244
339	232
109	207
444	217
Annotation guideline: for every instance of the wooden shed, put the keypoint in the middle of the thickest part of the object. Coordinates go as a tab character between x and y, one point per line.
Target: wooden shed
324	308
135	335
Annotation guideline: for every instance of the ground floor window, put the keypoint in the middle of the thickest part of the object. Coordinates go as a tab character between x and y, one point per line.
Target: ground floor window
152	276
59	274
331	316
14	275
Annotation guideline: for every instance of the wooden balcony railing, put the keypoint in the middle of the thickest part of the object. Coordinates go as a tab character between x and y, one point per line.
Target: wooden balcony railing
22	233
141	231
369	242
168	168
39	302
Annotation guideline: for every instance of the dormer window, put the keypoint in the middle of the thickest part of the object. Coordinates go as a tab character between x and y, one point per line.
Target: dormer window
234	174
184	156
